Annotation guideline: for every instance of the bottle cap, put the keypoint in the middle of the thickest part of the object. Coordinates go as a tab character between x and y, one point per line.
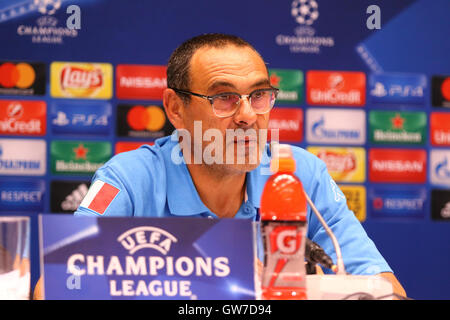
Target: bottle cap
282	159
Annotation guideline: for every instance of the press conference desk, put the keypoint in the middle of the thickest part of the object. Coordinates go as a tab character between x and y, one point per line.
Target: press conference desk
334	287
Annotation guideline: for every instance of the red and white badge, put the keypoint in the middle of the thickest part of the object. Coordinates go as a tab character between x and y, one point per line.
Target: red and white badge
99	196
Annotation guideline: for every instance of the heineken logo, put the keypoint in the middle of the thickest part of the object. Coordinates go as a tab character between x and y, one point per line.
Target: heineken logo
290	83
78	157
80	152
397	127
397	121
274	80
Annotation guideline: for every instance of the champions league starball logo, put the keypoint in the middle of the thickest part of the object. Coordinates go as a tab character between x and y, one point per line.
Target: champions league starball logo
47	28
305	11
305	40
47	6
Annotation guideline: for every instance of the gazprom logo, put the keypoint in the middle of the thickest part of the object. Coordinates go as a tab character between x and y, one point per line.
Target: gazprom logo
442	169
319	130
335	126
146	237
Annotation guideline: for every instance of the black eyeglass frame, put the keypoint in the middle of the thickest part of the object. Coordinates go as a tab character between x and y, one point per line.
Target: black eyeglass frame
211	98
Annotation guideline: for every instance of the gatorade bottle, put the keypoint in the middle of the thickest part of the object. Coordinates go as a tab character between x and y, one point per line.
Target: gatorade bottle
283	227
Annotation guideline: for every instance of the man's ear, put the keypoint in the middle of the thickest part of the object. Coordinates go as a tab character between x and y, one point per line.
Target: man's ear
174	107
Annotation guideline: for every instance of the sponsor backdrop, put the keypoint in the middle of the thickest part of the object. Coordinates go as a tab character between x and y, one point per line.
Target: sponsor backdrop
373	104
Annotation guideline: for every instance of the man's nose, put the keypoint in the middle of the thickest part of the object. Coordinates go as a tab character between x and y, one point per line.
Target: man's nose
245	115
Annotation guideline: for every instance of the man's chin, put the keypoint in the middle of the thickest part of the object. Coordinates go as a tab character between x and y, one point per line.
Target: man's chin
237	168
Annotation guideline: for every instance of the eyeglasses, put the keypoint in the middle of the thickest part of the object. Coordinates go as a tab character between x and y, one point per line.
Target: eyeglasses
226	104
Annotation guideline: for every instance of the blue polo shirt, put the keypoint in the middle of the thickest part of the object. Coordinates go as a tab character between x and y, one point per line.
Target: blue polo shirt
151	184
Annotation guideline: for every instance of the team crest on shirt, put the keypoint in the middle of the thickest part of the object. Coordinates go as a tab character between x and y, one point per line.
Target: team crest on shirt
99	196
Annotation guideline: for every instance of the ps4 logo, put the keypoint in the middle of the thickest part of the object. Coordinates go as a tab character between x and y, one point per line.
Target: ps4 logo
80	119
396	90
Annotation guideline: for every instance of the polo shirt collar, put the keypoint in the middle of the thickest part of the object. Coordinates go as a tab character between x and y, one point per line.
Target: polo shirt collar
182	196
256	180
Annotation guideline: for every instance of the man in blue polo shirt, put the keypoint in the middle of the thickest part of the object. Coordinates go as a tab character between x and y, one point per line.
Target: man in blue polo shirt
218	87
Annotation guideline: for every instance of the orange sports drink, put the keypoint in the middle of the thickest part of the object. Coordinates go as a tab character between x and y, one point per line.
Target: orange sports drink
283	226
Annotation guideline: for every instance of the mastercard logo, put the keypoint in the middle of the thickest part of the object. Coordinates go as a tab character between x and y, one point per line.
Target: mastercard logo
21	75
445	89
151	118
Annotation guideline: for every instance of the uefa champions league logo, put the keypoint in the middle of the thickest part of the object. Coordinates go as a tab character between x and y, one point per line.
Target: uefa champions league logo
304	40
47	6
46	29
305	12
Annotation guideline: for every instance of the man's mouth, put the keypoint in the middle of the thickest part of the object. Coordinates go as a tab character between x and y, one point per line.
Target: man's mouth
245	139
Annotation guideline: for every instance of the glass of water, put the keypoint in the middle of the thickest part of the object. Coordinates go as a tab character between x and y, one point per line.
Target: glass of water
14	258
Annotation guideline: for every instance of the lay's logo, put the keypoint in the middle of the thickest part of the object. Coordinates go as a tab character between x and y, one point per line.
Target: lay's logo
81	80
343	164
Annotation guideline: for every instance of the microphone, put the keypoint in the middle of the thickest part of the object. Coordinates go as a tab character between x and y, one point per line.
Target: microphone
315	254
340	269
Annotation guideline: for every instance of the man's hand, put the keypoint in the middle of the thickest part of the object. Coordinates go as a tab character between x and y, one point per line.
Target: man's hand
396	286
38	292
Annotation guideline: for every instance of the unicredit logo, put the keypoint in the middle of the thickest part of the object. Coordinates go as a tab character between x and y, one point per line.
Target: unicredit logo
335	88
440	128
80	78
15	110
22	117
